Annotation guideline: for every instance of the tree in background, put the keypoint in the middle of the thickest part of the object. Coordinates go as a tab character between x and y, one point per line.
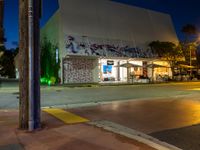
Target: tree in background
190	31
50	63
167	51
2	49
198	56
7	66
189	44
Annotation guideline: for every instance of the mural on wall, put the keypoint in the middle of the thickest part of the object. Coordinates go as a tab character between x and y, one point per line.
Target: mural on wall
78	70
83	45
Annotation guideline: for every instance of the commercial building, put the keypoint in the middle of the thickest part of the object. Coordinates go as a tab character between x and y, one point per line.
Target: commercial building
106	41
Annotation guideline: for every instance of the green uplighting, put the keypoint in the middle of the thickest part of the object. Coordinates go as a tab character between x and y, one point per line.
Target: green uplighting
43	80
49	82
50	63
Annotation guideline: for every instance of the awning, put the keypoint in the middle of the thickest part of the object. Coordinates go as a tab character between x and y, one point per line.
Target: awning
186	66
156	66
128	65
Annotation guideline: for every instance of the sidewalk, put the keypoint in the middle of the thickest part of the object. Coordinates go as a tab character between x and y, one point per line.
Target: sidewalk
56	135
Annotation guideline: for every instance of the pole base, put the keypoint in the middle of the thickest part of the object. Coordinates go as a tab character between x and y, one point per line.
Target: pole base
31	125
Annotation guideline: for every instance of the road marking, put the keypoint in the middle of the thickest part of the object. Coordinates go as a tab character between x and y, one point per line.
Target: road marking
66	117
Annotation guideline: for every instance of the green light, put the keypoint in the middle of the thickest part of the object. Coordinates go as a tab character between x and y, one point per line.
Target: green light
42	80
49	82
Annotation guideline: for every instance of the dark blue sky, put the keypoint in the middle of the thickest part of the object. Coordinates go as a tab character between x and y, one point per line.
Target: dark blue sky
181	11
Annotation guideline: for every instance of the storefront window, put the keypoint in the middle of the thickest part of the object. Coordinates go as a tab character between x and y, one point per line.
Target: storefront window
108	73
110	70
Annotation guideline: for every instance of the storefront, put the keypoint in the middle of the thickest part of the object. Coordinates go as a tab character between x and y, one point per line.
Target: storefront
159	71
85	69
119	70
110	70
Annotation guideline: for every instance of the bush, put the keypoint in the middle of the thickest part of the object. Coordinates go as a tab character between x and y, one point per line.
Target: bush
49	65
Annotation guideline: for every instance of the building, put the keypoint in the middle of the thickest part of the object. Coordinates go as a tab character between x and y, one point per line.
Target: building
1	22
98	40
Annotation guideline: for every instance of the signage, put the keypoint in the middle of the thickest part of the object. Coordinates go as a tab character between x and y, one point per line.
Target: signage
110	62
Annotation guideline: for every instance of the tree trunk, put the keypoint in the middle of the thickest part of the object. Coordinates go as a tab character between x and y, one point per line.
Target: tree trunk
23	64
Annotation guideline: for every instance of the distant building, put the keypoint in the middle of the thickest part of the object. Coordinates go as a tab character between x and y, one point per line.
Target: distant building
96	38
1	22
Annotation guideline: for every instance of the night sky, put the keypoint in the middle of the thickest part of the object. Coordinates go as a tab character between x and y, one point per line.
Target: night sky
181	11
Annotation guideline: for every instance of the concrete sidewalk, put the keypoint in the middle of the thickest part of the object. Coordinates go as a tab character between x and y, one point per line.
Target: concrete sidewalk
56	135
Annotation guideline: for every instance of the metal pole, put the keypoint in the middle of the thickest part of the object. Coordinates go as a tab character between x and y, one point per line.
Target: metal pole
127	73
152	73
36	15
31	65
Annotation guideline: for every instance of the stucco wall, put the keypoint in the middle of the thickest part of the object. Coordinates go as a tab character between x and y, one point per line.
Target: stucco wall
51	30
111	20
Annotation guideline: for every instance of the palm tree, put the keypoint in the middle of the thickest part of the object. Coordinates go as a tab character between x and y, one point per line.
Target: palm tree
190	31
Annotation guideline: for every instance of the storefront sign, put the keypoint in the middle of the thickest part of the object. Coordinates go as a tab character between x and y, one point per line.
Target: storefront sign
110	62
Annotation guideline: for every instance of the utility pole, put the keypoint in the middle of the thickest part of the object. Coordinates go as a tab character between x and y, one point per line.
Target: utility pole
29	70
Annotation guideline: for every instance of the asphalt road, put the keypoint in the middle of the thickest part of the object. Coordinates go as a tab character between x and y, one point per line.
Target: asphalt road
175	121
58	95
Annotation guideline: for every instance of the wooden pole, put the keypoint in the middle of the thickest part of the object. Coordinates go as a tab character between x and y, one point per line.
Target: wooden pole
29	104
23	64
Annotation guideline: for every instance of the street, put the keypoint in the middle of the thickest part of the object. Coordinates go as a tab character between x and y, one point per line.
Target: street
77	96
175	121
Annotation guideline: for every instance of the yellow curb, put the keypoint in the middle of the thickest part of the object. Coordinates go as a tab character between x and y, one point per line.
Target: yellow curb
66	117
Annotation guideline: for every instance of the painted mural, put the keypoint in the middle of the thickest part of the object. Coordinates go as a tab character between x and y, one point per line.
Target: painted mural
91	46
78	70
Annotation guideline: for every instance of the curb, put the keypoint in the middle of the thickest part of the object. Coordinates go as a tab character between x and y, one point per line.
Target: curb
133	134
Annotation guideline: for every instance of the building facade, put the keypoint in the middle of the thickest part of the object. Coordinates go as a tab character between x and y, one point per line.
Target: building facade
106	41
